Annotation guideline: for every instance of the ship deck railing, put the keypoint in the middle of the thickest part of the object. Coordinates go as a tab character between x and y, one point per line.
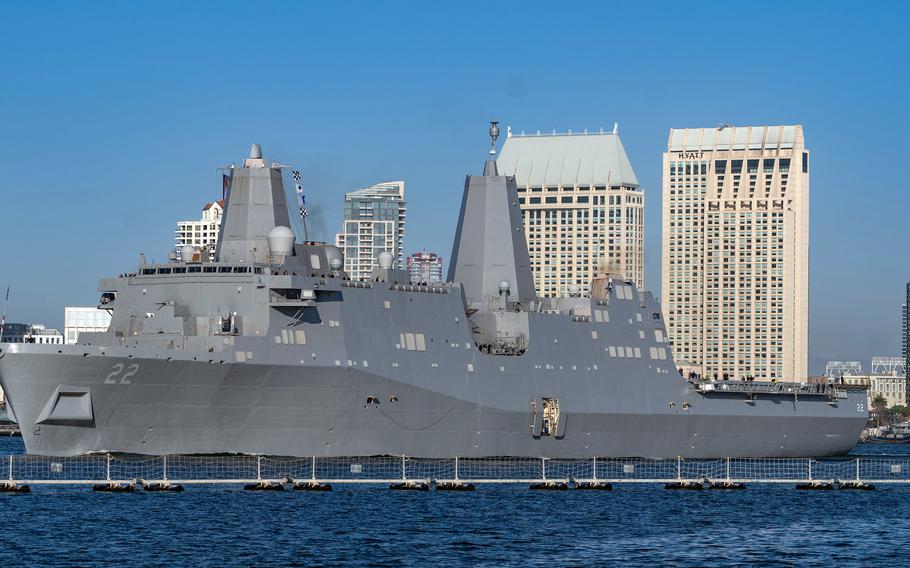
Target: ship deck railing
830	391
243	469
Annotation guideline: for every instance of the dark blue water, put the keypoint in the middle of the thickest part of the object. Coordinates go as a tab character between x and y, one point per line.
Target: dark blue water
494	526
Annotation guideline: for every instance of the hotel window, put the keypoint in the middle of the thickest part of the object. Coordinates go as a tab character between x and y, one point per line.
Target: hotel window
805	162
736	166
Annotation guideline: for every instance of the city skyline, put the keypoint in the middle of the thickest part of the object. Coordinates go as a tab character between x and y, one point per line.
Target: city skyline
164	110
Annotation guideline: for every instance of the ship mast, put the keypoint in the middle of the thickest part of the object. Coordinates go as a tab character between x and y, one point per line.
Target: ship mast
3	321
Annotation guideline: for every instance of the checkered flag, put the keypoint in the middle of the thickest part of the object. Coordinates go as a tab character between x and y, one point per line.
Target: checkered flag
296	175
303	212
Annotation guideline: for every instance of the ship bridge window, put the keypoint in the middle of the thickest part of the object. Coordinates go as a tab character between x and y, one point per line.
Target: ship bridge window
164	271
224	269
194	269
257	270
147	271
241	269
209	269
180	270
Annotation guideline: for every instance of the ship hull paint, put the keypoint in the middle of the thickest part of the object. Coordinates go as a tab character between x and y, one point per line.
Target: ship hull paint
172	407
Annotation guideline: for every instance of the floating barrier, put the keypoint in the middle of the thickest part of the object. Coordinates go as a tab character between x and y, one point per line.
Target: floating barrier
265	473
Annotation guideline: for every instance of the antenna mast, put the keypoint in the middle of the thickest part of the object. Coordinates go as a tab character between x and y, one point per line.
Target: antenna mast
301	201
494	134
3	321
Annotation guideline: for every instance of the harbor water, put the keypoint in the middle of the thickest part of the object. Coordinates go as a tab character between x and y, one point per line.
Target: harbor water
493	526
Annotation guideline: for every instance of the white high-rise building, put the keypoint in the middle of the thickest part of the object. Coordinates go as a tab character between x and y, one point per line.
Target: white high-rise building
78	320
581	204
373	222
735	259
202	233
425	267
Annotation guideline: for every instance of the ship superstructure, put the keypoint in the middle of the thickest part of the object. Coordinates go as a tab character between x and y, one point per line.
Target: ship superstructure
272	349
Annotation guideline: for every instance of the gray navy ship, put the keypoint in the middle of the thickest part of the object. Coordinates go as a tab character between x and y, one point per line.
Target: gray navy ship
272	349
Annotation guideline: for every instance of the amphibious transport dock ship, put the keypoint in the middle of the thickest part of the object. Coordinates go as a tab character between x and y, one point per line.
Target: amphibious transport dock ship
272	349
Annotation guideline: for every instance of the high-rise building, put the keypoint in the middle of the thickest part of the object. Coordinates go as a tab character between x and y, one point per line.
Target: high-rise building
373	222
905	336
581	204
78	320
202	233
425	267
736	250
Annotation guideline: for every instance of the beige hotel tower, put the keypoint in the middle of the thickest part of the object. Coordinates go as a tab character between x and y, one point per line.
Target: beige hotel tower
735	256
582	207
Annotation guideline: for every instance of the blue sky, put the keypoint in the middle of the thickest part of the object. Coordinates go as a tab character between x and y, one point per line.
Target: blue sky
117	114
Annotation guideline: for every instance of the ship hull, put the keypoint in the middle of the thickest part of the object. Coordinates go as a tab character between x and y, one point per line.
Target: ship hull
196	406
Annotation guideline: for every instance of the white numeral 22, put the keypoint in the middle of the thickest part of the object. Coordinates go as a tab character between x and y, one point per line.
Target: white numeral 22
125	379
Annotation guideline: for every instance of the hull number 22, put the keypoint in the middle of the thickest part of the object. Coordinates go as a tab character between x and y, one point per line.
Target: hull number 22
117	372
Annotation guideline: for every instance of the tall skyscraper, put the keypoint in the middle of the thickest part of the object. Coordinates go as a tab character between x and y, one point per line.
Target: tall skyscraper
905	337
202	233
373	222
425	267
736	250
581	205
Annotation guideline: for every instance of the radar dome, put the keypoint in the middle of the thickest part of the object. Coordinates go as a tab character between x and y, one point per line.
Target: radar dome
385	260
187	252
335	257
281	241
